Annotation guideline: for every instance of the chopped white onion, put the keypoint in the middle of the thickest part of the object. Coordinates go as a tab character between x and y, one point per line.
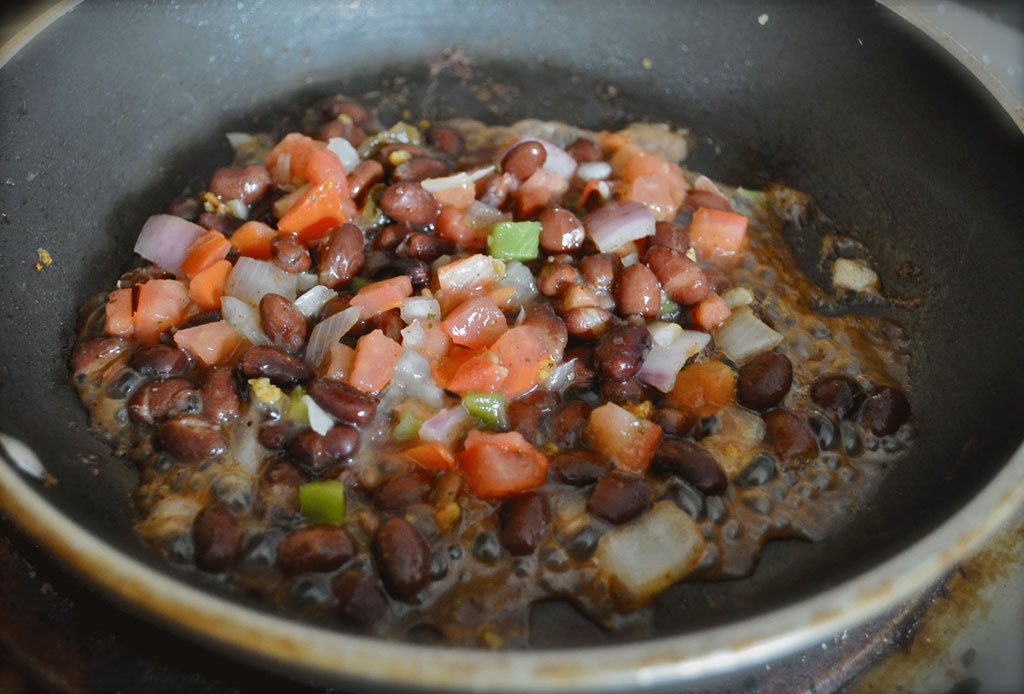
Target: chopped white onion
735	297
474	271
319	420
310	303
245	445
329	332
480	215
458	178
559	378
743	335
238	209
519	277
304	281
413	335
346	152
165	239
593	169
664	333
850	274
629	260
663	363
446	426
250	280
417	307
649	554
618	223
412	374
282	173
237	140
244	318
557	160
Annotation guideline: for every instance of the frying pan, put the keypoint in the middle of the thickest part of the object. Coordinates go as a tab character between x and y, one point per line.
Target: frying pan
115	107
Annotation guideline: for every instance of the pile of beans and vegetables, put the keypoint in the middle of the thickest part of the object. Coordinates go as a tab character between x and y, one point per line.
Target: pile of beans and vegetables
417	378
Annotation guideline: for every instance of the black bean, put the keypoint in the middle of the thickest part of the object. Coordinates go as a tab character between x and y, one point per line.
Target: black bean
342	256
486	547
445	138
675	422
315	548
215	535
619	497
620	351
622	392
579	468
160	399
280	367
219	222
403	489
360	599
186	208
438	566
793	438
567	423
125	384
764	381
494	190
222	401
96	352
524	159
282	322
416	270
279	488
423	247
681	278
345	403
409	203
419	169
318	451
686	497
638	292
525	522
348	131
758	471
402	557
692	463
824	430
583	546
838	394
273	435
190	439
885	410
160	361
247	184
290	253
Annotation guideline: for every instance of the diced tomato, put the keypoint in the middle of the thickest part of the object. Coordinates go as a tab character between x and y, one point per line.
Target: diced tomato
623	437
537	191
324	165
119	313
206	288
374	362
481	373
654	181
716	234
298	147
704	387
337	366
452	225
475	323
252	240
445	368
459	197
526	353
161	305
385	295
435	343
432	455
287	201
710	313
315	212
654	192
496	466
204	252
502	297
211	343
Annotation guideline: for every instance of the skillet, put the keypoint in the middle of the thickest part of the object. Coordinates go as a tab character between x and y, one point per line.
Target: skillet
899	148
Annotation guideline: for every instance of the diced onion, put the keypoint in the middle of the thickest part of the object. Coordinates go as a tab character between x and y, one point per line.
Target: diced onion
319	421
663	363
618	223
416	307
304	281
244	318
446	426
310	303
346	152
245	445
630	260
329	332
250	280
165	239
413	335
474	271
593	169
456	179
519	277
480	215
238	209
849	274
557	160
237	140
559	378
738	296
412	374
664	333
743	335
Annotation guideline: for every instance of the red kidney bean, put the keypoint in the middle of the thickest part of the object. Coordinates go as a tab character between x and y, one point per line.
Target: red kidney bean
793	438
579	467
247	184
342	256
279	487
525	413
221	400
143	274
160	399
338	105
290	253
160	361
314	548
692	463
347	404
336	128
524	159
619	497
406	151
556	278
391	236
219	222
402	557
885	410
764	381
190	439
423	247
215	534
587	323
280	367
366	175
681	278
638	292
334	305
675	422
494	190
670	235
561	231
839	394
282	322
318	451
186	208
584	150
600	269
567	423
401	490
419	169
620	351
446	138
542	316
525	522
95	352
360	599
273	435
416	270
622	392
388	322
410	204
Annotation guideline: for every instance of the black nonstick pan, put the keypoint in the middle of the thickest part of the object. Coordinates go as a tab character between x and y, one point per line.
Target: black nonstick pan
113	108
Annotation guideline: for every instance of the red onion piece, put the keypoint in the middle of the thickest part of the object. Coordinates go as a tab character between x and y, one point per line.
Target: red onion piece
446	426
663	363
165	239
618	223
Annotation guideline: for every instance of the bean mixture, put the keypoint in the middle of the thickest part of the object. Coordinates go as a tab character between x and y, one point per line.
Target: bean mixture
412	379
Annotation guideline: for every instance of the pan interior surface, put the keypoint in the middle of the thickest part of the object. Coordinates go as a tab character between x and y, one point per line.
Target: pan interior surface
842	101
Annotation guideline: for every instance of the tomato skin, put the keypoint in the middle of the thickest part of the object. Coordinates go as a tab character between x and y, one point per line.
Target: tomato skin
716	234
319	209
161	305
475	323
497	466
252	239
207	287
374	362
432	455
324	165
209	342
382	296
